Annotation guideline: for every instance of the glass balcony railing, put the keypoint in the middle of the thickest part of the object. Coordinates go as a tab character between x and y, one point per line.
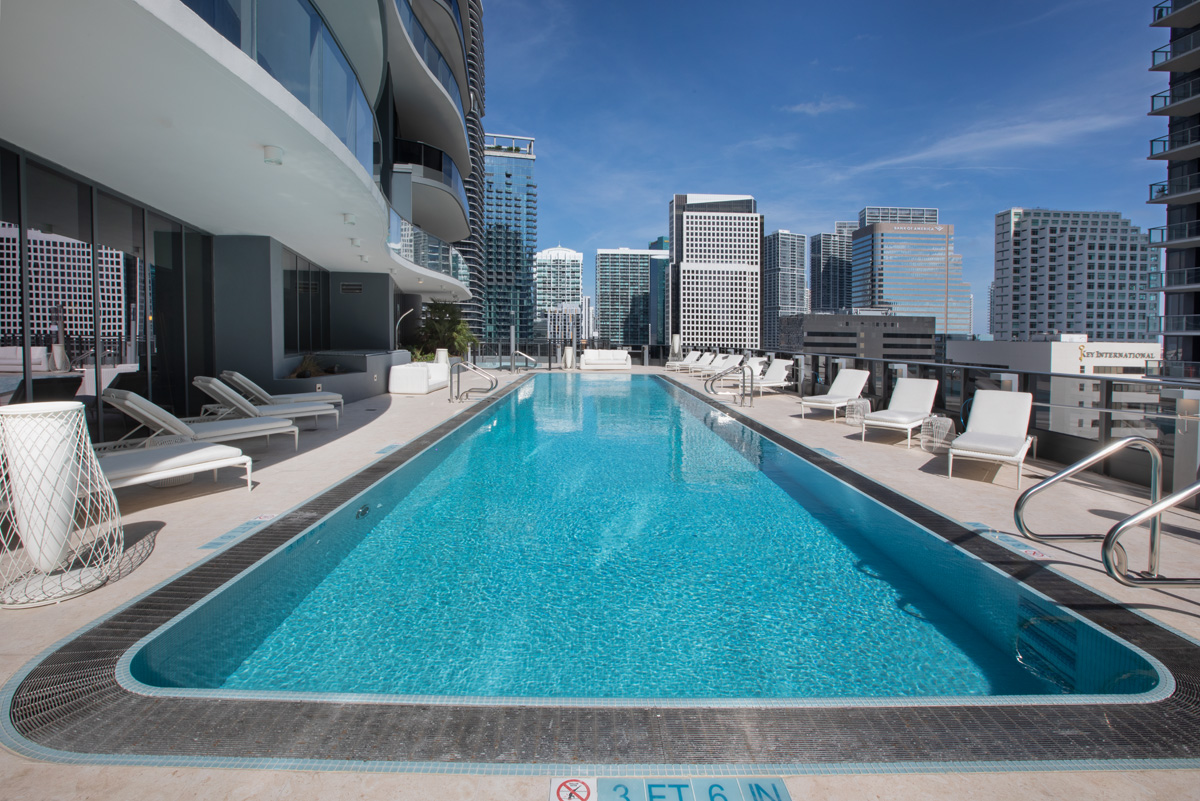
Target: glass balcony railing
456	13
1175	186
295	46
436	165
1173	369
1184	44
1175	323
1166	234
1169	7
1173	278
425	250
1174	141
432	57
1176	94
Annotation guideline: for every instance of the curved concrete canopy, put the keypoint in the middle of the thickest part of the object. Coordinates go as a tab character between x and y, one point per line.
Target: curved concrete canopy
358	26
144	98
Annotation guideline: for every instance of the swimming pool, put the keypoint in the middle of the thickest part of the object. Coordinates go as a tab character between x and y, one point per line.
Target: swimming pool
611	539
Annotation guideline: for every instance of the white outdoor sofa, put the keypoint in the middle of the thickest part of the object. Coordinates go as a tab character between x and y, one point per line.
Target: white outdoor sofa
594	359
997	430
12	361
418	378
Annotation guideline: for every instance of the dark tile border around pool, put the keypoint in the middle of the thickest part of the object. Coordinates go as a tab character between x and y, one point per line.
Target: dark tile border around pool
69	707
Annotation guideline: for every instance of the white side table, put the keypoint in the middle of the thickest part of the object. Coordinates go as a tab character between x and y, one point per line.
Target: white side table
856	410
937	432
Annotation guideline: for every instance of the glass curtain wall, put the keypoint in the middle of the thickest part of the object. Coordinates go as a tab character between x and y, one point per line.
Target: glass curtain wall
305	305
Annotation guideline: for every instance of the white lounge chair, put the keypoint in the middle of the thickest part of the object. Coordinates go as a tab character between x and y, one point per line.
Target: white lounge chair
997	430
774	377
719	364
683	363
261	397
235	405
847	386
755	363
157	421
911	403
704	361
130	466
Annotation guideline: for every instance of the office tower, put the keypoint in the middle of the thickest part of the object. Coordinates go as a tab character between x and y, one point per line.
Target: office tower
784	288
913	271
660	269
558	278
623	294
716	260
510	237
830	269
281	179
991	303
1179	323
1077	272
471	248
894	214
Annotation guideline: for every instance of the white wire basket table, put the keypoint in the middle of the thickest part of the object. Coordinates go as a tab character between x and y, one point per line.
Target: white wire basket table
937	432
856	410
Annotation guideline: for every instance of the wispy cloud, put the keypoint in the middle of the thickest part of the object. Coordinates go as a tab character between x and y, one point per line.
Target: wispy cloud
997	137
823	106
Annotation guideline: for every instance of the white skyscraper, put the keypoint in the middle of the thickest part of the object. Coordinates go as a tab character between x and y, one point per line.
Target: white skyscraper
1081	272
715	274
558	278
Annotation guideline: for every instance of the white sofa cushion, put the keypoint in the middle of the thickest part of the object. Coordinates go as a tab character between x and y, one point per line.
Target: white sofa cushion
419	378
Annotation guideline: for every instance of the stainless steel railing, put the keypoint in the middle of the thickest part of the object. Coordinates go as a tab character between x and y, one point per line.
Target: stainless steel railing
1115	559
457	369
741	395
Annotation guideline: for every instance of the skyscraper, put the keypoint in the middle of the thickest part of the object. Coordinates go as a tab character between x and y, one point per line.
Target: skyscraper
660	269
716	262
912	270
510	237
784	287
1180	320
623	294
1079	272
830	269
558	278
471	248
896	214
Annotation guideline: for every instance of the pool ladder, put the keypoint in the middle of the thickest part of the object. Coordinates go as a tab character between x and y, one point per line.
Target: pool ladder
526	365
457	369
1113	554
741	395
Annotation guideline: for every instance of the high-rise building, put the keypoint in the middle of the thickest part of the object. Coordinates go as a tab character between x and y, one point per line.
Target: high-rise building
912	270
623	294
276	179
830	273
510	237
1178	282
896	214
660	269
714	290
558	278
1074	272
784	284
471	248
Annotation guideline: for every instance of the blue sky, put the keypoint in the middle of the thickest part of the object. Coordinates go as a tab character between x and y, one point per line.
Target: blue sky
820	109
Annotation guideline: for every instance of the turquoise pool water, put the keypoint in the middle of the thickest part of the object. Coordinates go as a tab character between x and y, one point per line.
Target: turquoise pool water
610	537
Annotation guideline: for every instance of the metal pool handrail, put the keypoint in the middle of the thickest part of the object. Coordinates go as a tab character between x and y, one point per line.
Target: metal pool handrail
1114	555
1155	484
710	383
527	358
464	393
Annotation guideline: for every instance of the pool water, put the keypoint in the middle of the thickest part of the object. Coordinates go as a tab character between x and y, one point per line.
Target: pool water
611	537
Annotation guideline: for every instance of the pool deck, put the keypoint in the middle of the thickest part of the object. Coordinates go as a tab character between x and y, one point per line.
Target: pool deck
168	530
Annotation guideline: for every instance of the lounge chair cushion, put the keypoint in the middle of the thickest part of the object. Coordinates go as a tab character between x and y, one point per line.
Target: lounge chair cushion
142	461
827	400
980	442
308	397
895	417
245	426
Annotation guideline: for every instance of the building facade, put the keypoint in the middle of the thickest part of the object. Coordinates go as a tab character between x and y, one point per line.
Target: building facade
715	276
1178	284
896	214
1073	272
865	336
623	294
911	270
558	279
660	269
281	179
510	238
784	282
830	269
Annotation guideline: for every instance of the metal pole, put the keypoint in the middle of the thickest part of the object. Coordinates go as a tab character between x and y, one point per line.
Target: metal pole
512	349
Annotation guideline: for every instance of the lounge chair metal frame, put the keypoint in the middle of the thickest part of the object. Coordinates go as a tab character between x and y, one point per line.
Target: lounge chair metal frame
234	405
157	420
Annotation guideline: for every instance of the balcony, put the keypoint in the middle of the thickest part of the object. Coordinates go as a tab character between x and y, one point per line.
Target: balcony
1176	14
1184	189
1180	55
439	197
1182	100
1188	371
1178	146
1174	324
1172	280
1179	235
412	244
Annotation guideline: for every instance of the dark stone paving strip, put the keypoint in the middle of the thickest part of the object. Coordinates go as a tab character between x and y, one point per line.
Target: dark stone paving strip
71	700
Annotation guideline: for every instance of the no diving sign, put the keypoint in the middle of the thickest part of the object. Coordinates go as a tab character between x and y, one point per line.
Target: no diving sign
669	789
